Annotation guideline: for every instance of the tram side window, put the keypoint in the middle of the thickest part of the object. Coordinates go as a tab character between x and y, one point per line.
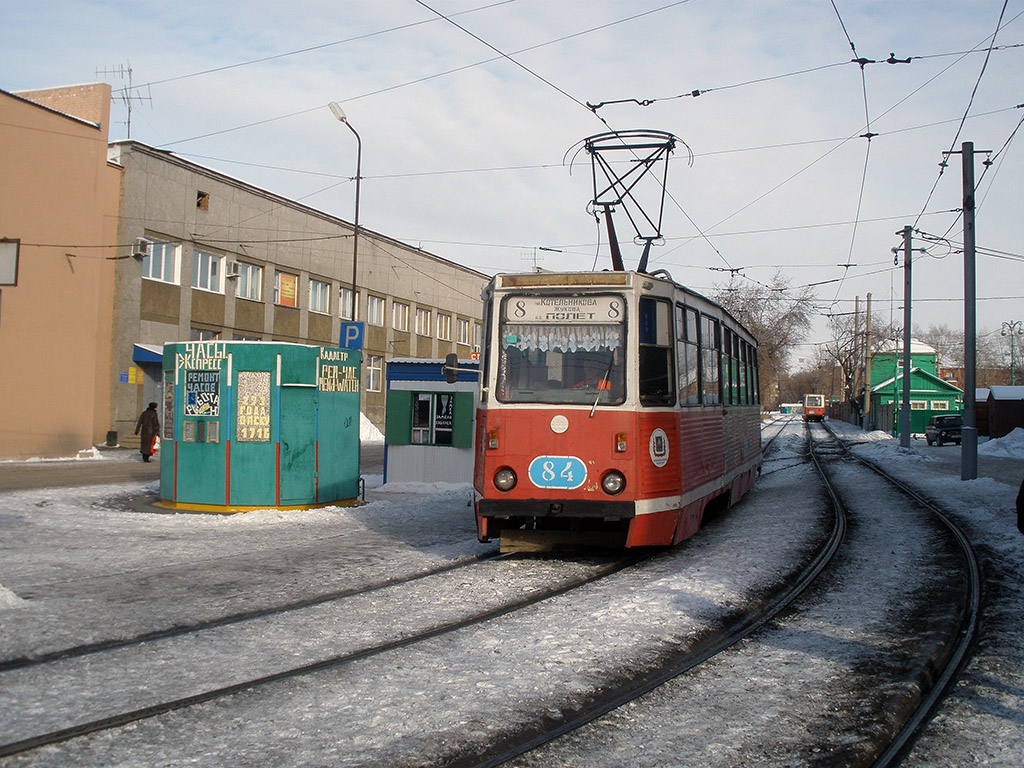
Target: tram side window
686	355
726	358
709	352
744	361
735	396
656	354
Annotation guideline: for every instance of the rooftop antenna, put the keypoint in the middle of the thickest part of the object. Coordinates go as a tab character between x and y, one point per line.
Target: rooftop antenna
127	95
617	186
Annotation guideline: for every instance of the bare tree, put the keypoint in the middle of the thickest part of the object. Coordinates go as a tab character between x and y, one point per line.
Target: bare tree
779	317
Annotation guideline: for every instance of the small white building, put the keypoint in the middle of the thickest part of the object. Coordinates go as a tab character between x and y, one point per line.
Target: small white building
429	423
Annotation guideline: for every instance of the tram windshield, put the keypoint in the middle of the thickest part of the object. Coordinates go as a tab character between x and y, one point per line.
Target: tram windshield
562	350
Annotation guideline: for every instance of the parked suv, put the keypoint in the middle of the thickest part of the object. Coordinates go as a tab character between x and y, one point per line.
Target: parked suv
943	429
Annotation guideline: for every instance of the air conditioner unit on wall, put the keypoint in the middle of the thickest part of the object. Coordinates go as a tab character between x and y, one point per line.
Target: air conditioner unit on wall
232	270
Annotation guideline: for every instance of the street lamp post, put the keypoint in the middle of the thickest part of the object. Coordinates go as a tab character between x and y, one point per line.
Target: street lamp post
340	114
1009	329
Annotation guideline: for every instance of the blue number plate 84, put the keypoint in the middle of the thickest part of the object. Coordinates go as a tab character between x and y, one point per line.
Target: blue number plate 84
566	472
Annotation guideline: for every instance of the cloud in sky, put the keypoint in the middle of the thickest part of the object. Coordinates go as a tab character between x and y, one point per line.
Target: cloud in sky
464	151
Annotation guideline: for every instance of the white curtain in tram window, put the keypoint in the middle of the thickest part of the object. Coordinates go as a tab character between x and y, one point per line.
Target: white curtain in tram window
560	338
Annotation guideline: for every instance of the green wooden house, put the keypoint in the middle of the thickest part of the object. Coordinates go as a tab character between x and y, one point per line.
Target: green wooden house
929	394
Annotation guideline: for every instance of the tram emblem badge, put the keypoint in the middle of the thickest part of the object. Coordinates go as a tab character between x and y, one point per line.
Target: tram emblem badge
659	447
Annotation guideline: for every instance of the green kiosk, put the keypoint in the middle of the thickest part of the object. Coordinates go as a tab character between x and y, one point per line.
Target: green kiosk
255	425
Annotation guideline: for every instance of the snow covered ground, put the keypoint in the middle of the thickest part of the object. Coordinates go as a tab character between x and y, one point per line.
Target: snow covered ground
55	536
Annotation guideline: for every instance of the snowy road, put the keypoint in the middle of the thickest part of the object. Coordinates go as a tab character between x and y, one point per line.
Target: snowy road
88	569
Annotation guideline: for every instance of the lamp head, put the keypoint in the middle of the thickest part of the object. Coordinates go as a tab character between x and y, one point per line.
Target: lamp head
338	111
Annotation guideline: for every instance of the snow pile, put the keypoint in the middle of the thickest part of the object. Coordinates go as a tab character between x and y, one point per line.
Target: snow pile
8	599
1011	445
368	433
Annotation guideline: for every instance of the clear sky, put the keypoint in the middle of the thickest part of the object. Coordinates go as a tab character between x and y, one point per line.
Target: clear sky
469	125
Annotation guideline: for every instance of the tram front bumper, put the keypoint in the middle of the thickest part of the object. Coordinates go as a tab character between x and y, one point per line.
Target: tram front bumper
562	508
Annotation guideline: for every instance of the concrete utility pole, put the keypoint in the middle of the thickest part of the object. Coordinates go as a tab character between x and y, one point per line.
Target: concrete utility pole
905	412
969	431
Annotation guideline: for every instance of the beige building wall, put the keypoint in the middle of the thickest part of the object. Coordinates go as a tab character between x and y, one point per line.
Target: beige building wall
166	199
58	196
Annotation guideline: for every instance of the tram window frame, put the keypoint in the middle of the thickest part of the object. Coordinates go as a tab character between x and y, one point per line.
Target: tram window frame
687	355
711	344
656	358
744	356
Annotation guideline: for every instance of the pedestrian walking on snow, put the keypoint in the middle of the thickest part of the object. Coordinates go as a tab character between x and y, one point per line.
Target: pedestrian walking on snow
149	424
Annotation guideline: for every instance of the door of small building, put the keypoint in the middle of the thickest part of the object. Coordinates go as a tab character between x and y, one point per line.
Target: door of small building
298	444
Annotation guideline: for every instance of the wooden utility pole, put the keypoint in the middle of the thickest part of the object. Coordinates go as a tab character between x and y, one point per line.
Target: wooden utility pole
867	365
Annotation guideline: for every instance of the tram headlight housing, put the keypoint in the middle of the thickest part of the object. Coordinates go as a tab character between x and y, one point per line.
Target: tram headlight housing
505	479
613	482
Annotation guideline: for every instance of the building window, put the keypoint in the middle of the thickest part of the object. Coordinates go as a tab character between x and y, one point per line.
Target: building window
432	418
919	405
160	261
940	405
423	322
444	327
375	310
203	334
319	296
250	282
206	271
374	369
400	316
286	289
476	337
345	304
462	328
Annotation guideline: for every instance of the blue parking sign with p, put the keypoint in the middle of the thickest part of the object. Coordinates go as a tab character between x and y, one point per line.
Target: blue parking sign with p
351	336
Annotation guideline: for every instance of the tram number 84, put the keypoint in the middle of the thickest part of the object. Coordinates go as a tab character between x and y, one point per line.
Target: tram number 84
566	472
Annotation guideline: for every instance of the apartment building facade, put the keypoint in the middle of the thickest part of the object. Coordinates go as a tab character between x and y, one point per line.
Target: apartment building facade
214	258
58	224
110	250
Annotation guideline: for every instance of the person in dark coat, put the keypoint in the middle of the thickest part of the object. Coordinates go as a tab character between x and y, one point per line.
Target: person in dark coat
149	424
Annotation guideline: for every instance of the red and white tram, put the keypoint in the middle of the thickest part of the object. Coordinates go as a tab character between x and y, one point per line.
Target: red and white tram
616	409
814	408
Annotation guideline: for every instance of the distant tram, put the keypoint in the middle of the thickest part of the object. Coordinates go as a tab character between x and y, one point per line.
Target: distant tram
814	407
616	409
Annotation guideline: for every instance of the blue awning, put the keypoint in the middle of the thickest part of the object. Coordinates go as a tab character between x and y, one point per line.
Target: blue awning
148	353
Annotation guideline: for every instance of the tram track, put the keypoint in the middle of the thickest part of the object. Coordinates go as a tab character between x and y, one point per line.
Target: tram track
180	630
900	691
90	725
959	654
736	629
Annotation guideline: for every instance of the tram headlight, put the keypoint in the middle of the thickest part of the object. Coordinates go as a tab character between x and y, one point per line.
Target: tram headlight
505	479
613	482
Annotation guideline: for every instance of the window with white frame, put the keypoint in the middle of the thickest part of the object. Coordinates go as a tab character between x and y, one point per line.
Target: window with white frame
345	304
400	316
940	405
462	329
250	281
161	261
444	327
374	372
919	405
206	271
286	289
375	310
319	296
204	334
423	322
476	337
